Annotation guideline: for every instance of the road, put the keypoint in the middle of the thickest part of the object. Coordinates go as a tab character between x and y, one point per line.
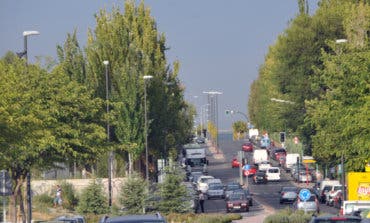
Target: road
265	196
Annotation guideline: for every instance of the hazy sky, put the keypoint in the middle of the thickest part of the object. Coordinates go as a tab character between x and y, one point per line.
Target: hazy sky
219	43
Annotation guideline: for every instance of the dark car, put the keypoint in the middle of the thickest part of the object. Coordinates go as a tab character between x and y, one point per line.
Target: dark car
288	194
152	218
334	218
260	177
231	187
237	202
247	194
277	152
247	147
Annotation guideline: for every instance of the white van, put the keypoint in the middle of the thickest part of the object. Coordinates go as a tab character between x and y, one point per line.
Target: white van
260	155
290	160
273	174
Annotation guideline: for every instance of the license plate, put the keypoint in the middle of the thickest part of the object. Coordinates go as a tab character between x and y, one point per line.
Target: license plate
236	207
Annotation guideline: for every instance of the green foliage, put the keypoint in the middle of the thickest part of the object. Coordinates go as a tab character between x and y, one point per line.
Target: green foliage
288	216
134	193
202	218
69	198
172	193
93	200
42	202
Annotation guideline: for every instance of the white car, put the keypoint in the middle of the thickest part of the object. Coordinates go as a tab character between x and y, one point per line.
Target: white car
202	184
264	165
332	193
273	173
302	176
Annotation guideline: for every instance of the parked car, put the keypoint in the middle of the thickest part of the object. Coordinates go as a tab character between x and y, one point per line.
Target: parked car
288	194
247	147
71	219
237	202
215	190
235	163
231	187
302	176
311	205
335	218
260	177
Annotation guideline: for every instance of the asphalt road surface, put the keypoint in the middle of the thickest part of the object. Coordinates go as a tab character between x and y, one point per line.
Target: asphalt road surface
264	195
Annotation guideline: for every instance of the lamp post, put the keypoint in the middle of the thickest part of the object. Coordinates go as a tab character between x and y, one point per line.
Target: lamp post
342	41
29	198
110	155
146	77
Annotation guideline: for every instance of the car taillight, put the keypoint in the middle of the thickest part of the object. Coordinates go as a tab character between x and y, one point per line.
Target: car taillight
282	193
341	211
229	205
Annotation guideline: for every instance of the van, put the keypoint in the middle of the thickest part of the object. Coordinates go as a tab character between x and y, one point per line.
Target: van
273	174
323	187
290	160
260	155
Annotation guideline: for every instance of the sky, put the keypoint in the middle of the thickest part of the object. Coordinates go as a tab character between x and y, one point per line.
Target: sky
220	44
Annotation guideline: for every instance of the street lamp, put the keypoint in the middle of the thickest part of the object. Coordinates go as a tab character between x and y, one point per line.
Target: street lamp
25	54
110	156
146	77
342	41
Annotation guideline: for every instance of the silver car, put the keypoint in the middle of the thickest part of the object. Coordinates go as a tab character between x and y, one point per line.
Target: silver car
288	194
215	190
311	205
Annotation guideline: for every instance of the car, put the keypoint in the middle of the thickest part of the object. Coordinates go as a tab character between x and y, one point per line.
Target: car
323	193
260	177
249	170
331	194
237	202
71	219
273	174
335	218
231	187
295	167
337	199
288	194
202	183
302	176
264	165
247	194
310	205
277	152
235	163
247	147
153	218
215	190
193	176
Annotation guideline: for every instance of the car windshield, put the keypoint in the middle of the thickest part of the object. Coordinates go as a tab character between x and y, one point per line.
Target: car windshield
237	196
294	189
232	187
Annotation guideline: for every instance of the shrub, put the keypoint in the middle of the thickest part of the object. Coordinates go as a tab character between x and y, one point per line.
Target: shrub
202	218
42	201
68	196
93	200
133	194
288	216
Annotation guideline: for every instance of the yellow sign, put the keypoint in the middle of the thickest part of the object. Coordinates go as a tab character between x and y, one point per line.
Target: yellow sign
309	161
359	186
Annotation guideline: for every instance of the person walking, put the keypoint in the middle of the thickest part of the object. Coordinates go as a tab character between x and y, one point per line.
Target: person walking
58	196
201	201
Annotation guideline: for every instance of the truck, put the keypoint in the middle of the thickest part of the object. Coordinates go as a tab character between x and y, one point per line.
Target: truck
358	198
194	156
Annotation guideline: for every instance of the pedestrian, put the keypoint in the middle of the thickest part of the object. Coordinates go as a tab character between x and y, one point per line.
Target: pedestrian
58	196
201	201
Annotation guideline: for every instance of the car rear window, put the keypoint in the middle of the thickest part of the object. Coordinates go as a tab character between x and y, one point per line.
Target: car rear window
273	170
337	220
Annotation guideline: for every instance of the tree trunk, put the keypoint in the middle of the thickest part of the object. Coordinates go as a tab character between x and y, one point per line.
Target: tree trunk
129	164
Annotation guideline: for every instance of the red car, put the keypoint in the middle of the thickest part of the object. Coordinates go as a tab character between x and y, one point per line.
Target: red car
235	163
237	202
248	172
247	147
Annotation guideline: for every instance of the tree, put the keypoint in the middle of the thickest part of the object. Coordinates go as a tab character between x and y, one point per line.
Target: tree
172	192
45	118
239	128
92	200
134	194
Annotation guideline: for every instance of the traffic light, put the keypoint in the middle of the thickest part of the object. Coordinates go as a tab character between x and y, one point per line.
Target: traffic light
282	136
